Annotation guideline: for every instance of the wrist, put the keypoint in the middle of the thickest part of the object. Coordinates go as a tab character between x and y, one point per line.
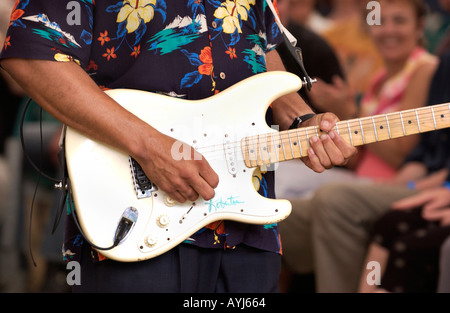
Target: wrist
300	119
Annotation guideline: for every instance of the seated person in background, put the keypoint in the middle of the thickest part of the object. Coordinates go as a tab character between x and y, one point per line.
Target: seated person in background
406	243
444	267
402	84
350	36
321	63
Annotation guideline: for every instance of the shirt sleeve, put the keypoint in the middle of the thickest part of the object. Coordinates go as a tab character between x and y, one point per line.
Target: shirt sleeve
50	30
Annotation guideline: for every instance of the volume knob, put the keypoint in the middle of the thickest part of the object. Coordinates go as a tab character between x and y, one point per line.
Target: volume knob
168	201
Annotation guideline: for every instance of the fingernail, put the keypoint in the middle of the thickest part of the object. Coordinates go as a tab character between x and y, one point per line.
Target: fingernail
325	125
332	134
314	139
311	151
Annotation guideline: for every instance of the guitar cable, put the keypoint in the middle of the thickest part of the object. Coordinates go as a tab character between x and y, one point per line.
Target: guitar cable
37	168
64	186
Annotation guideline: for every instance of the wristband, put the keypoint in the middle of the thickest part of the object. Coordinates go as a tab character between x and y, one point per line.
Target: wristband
301	119
447	185
411	185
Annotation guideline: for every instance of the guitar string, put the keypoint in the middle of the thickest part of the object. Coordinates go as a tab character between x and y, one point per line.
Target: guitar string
304	134
355	125
283	138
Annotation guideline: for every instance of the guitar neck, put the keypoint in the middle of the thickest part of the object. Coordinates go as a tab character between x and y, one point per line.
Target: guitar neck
267	149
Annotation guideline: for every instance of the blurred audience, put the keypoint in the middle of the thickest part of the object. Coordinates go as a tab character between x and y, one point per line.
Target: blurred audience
320	62
349	36
47	275
444	268
11	96
309	243
408	241
304	12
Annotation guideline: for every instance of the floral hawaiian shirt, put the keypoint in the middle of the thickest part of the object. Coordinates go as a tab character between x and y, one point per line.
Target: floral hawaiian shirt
190	49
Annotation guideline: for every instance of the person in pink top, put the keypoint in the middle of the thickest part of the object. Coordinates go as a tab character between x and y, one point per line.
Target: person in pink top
394	90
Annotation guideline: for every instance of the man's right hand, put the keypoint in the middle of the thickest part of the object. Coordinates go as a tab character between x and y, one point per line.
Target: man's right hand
182	179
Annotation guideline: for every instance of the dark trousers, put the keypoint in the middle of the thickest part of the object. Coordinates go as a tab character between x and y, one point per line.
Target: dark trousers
185	269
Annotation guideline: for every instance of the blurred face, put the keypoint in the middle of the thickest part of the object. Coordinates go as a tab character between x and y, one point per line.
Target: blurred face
299	10
445	5
399	32
283	10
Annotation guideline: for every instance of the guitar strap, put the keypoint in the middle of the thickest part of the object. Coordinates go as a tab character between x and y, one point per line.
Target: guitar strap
291	44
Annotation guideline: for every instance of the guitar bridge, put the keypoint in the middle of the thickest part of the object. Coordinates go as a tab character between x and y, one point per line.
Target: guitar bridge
142	185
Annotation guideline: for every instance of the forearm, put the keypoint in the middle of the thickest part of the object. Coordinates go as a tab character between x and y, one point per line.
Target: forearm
65	91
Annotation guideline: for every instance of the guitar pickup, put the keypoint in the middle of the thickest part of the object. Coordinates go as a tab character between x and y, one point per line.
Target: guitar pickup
142	185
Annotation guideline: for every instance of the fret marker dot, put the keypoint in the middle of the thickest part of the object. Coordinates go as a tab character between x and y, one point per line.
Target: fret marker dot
442	116
381	127
409	122
356	132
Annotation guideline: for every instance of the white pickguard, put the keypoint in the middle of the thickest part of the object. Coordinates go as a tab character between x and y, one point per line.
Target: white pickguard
102	182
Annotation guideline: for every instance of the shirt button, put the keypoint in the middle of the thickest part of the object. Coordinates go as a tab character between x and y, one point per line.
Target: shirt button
214	24
222	75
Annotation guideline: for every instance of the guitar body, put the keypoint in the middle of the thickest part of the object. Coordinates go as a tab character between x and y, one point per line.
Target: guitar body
102	179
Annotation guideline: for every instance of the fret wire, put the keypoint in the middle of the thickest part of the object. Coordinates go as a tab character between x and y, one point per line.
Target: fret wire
249	151
337	128
375	129
418	123
299	142
268	150
317	133
362	131
350	133
307	136
403	124
388	126
290	144
277	155
282	146
260	149
256	153
434	118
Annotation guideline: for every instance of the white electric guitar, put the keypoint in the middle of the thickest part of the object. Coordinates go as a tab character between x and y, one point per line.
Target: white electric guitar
112	195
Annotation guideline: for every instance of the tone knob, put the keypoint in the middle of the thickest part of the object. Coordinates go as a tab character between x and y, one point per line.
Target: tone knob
151	241
163	221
